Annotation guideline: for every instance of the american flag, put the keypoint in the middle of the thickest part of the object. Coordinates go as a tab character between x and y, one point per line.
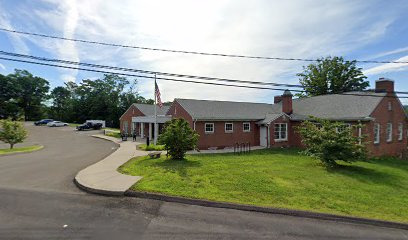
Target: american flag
157	93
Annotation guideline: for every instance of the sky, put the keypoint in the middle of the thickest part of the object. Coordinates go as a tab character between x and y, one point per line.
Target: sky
354	29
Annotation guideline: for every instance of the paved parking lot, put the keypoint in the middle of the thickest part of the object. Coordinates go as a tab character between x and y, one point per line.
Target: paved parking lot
38	200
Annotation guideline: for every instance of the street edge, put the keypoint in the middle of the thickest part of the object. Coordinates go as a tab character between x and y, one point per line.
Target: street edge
97	191
281	211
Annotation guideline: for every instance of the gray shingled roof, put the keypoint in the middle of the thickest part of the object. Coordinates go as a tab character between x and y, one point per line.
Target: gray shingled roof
335	106
148	109
225	110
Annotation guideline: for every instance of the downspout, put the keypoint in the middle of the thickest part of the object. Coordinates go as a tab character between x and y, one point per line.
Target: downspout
269	137
194	123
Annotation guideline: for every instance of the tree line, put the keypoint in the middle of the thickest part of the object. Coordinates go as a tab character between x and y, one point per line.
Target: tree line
24	96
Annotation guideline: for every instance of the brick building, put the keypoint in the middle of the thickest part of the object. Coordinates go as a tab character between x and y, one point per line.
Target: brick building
222	124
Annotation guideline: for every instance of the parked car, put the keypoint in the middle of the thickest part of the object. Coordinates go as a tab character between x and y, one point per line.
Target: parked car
89	126
43	122
56	124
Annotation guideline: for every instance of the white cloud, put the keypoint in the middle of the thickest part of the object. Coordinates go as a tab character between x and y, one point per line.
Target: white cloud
389	67
308	29
2	66
15	39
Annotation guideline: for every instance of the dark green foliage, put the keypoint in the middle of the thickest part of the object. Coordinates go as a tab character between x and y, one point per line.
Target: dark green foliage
332	75
331	141
178	138
23	95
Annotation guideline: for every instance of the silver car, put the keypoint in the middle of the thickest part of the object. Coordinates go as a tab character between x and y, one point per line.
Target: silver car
56	124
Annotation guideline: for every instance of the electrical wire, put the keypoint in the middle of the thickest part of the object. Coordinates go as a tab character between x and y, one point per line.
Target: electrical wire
179	80
184	51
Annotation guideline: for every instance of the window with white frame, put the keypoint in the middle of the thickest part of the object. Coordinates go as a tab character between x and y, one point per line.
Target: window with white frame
343	127
400	131
209	127
389	132
389	106
281	131
229	127
246	127
376	133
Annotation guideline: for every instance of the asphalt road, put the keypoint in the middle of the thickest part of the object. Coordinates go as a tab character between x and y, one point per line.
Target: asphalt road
38	200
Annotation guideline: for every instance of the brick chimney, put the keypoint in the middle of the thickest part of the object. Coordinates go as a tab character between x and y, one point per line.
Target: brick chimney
277	99
287	102
384	85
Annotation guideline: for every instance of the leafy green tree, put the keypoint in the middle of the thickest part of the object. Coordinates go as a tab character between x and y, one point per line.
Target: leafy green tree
332	75
331	141
31	93
178	138
61	103
8	98
12	132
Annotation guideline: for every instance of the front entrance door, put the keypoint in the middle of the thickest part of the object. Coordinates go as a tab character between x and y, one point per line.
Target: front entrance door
263	141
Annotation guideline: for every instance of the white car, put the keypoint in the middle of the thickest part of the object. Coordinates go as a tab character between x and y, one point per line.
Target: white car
56	124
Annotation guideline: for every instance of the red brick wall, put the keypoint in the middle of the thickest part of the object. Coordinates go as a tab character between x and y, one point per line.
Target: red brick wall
221	139
382	116
177	111
127	116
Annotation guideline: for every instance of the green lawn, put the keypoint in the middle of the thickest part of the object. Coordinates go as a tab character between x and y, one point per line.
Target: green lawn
281	178
21	149
151	147
74	124
113	134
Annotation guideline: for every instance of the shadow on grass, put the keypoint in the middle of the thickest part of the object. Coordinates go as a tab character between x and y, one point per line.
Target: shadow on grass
401	164
177	166
367	175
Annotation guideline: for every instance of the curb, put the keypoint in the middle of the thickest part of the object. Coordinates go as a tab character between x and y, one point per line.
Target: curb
97	191
281	211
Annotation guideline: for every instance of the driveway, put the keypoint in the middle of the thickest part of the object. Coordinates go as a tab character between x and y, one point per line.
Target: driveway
38	200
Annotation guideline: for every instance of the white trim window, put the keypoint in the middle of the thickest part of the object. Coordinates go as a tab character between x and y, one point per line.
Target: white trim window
376	133
281	132
246	127
229	127
400	131
209	127
389	132
389	106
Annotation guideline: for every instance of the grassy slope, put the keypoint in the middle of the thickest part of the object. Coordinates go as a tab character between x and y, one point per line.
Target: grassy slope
282	178
21	149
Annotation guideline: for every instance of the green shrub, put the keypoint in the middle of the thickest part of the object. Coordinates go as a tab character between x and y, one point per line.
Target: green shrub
113	134
331	141
178	138
151	147
12	132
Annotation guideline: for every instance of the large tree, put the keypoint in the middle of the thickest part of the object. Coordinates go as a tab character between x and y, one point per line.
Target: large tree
31	93
61	108
8	98
332	75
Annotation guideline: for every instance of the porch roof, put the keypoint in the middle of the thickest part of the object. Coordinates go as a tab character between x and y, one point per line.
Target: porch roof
151	119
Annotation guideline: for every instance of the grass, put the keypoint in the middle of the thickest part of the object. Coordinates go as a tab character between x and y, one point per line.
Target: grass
151	147
73	124
113	134
21	149
281	178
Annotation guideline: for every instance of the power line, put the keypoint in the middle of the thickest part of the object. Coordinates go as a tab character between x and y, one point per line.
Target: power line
154	72
178	80
182	51
147	71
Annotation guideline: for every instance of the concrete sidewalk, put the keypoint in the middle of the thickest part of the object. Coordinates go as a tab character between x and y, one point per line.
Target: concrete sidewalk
103	177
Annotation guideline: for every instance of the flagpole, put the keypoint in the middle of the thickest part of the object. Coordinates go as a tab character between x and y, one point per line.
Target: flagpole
155	111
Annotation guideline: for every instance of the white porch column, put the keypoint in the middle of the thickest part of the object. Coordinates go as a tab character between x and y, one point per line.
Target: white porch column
150	131
156	132
142	130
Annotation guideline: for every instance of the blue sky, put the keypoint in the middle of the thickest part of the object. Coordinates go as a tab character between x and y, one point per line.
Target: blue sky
364	30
